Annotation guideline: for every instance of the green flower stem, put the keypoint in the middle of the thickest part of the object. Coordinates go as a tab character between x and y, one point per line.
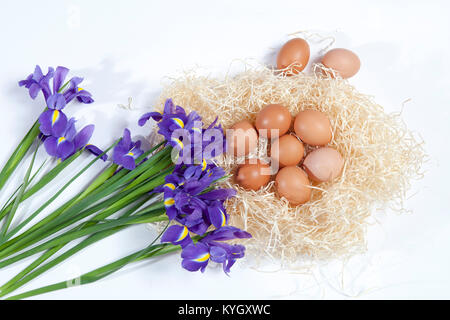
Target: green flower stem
95	184
17	200
86	242
119	201
115	203
52	174
104	176
22	148
90	240
115	207
18	154
8	204
76	208
40	237
35	227
11	283
24	277
48	202
56	213
162	164
46	179
102	272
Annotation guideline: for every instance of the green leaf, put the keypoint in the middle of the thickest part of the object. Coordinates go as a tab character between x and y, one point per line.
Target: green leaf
19	196
110	206
119	179
48	202
46	179
25	276
152	216
40	237
98	273
18	154
8	204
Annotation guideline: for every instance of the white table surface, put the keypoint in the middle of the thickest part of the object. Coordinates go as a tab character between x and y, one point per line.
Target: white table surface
125	49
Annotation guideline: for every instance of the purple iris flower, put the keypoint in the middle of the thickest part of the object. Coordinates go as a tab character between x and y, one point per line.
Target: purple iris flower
177	235
69	141
53	122
213	143
37	82
212	248
185	133
73	91
70	89
126	151
187	201
169	110
60	137
174	118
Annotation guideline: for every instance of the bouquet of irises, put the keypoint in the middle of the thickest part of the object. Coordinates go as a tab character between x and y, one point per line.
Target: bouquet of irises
176	182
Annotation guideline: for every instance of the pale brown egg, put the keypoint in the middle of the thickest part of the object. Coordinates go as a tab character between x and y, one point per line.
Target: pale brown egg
313	127
293	184
345	62
273	116
287	151
252	176
323	164
242	139
294	53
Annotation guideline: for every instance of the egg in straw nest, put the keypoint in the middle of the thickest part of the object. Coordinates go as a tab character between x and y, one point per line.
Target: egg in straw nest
381	158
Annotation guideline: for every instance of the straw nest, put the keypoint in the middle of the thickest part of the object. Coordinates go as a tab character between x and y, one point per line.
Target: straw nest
381	157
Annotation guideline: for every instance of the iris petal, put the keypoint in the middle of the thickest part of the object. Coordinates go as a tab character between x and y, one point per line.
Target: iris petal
96	151
53	122
59	77
65	148
56	101
83	137
51	144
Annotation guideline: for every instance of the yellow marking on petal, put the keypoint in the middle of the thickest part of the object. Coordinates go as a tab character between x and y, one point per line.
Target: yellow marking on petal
179	142
130	154
224	218
170	186
183	235
61	139
203	258
169	202
197	130
80	89
55	116
179	122
204	165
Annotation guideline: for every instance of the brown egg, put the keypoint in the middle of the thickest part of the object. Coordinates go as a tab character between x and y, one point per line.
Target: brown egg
253	176
313	127
294	53
293	184
273	116
323	164
345	62
242	139
287	150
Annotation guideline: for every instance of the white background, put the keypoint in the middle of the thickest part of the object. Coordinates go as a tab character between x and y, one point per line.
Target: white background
125	49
